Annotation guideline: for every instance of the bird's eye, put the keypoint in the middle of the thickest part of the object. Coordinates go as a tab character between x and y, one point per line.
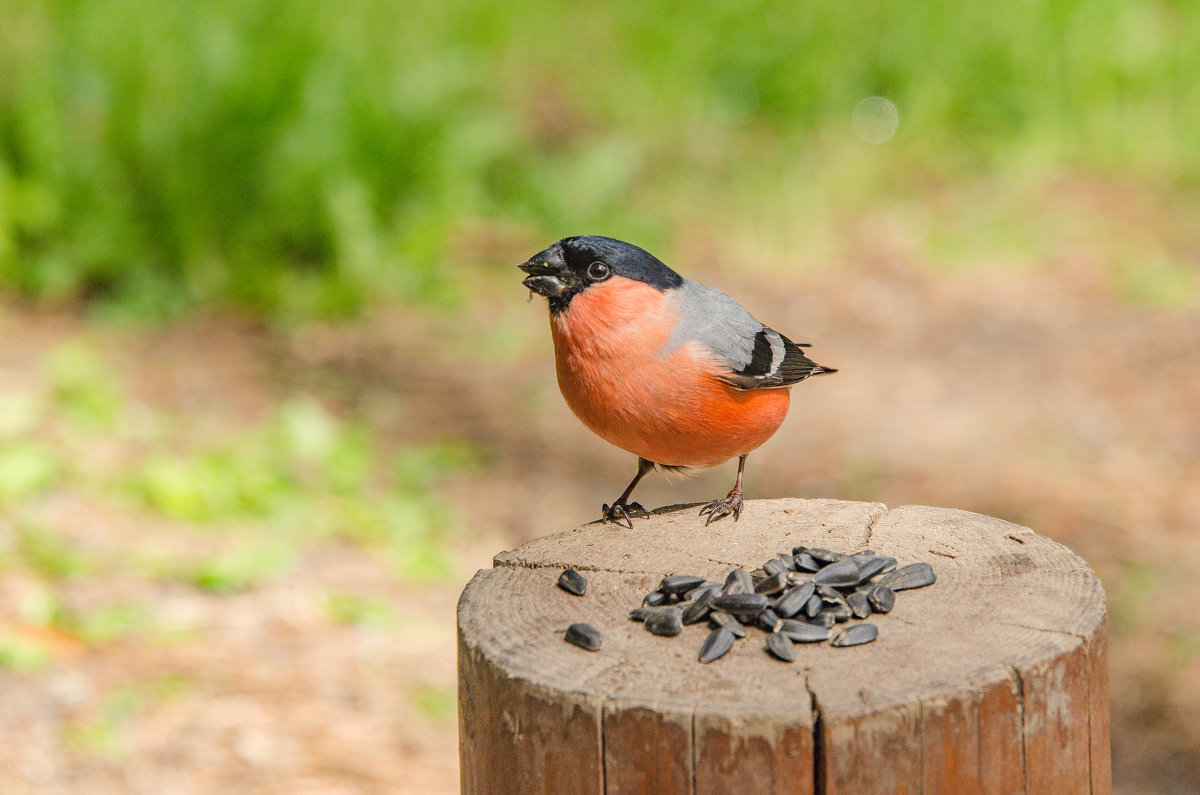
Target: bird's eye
598	271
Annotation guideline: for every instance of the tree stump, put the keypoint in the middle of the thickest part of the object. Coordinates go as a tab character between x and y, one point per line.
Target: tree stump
991	680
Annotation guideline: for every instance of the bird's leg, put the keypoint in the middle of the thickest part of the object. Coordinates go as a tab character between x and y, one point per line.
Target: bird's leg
732	504
621	510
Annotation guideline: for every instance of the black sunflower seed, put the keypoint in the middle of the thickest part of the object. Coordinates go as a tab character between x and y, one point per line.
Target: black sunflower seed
773	584
825	555
788	561
585	636
794	600
856	635
781	647
728	622
813	605
768	619
831	595
668	623
656	598
642	613
859	605
840	612
802	631
914	575
572	581
738	581
842	573
823	619
745	605
699	591
774	566
696	611
870	565
679	583
806	562
719	641
882	599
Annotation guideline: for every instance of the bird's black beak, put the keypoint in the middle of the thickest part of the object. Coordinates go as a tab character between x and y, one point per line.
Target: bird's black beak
547	273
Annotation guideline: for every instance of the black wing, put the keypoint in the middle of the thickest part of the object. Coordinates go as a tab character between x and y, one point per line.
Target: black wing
768	369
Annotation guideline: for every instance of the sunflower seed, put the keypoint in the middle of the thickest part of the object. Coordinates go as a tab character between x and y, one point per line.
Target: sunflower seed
799	549
840	612
642	613
830	595
702	589
858	604
745	605
679	583
794	600
738	581
802	631
806	562
813	605
773	584
585	636
870	565
788	561
914	575
572	581
668	623
781	647
768	620
842	573
718	642
825	555
882	599
656	598
774	566
856	635
696	611
823	619
799	577
728	622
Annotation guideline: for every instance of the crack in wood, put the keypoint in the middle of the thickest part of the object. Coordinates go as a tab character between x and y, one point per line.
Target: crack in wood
818	742
1020	687
866	544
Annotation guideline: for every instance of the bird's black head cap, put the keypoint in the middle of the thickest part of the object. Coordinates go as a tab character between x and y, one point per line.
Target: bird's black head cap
573	264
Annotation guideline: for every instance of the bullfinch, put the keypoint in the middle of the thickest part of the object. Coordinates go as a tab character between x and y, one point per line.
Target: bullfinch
673	371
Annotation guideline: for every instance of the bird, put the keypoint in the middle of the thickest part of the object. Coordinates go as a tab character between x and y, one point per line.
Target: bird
674	371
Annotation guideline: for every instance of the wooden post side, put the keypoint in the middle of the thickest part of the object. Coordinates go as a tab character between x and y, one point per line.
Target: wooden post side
1056	712
972	744
772	755
876	752
515	740
647	751
1101	743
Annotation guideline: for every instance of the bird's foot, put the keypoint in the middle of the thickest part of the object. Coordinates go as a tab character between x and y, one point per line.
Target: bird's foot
719	509
621	512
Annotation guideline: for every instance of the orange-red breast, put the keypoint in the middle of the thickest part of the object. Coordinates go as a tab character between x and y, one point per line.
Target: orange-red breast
673	371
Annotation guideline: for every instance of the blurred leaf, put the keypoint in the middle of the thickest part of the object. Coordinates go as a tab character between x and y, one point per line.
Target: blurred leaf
435	703
25	469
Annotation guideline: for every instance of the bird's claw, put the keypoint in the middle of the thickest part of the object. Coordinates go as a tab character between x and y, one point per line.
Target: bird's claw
621	513
719	509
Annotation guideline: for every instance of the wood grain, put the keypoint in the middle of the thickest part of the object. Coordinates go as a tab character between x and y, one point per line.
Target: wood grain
992	680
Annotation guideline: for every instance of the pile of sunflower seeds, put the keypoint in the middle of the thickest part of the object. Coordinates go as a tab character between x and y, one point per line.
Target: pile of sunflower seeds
794	598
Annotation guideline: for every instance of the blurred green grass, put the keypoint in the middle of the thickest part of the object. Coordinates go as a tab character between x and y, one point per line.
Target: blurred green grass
301	159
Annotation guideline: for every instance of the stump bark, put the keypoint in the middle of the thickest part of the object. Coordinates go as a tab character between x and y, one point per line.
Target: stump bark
992	680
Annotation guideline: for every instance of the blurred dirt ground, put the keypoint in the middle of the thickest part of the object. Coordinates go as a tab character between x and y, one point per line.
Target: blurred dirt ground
1038	398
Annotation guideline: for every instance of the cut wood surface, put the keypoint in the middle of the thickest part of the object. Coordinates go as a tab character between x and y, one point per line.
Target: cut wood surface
991	680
